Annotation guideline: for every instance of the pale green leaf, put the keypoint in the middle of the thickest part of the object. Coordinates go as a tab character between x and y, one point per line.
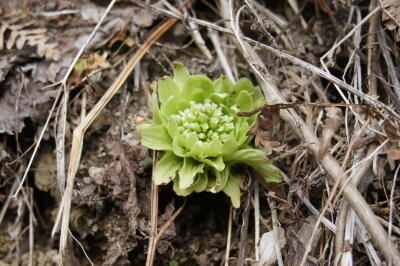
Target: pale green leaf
181	192
178	146
155	137
223	85
166	88
195	82
166	168
244	101
170	107
244	84
155	109
232	189
215	162
172	127
220	180
182	104
230	145
198	186
183	144
181	74
257	160
199	149
201	183
188	172
219	98
242	128
197	95
258	98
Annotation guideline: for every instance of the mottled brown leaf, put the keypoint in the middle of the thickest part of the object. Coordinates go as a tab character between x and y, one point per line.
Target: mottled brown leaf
332	123
391	16
392	131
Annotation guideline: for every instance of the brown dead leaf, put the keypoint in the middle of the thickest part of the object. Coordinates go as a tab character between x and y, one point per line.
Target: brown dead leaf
324	6
379	167
120	35
21	35
3	154
392	154
392	131
109	32
332	123
96	61
93	62
18	103
391	16
270	118
267	246
45	171
143	18
262	138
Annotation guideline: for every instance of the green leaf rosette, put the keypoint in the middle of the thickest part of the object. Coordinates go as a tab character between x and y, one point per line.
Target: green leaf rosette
195	124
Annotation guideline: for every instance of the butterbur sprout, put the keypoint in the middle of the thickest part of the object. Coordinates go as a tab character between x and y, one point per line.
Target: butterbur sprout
195	124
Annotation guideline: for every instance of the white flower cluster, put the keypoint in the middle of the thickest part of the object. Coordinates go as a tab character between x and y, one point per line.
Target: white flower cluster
207	120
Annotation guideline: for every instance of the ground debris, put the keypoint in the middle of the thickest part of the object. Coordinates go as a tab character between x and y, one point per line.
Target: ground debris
391	16
110	214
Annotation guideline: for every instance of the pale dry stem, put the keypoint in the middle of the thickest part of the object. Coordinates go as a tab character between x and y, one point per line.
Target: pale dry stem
79	131
332	167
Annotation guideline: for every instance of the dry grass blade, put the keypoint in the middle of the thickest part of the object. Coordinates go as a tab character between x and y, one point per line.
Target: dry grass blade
256	206
326	113
156	238
80	130
283	55
60	90
228	237
329	163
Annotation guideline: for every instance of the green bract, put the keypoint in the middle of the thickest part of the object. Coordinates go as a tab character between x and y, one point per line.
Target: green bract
196	125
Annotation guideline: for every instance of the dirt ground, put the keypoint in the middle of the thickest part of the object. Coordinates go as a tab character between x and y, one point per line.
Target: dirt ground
335	64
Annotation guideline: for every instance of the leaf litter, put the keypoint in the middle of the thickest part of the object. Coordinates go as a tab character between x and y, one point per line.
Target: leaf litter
111	201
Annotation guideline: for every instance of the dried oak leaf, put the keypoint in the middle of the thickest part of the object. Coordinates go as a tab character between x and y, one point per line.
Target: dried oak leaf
263	139
93	62
267	125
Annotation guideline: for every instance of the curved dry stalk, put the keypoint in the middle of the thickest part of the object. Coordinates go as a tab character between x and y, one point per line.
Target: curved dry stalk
154	218
294	60
155	238
64	89
356	176
391	202
228	237
327	205
220	53
372	51
79	131
46	124
256	206
332	167
276	226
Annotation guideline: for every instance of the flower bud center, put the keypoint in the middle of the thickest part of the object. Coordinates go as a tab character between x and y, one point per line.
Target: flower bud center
206	119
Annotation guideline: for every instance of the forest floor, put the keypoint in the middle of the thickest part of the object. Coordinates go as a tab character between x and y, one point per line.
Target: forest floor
334	63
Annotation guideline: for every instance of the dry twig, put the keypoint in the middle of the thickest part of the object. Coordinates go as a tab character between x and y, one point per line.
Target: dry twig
80	130
332	167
